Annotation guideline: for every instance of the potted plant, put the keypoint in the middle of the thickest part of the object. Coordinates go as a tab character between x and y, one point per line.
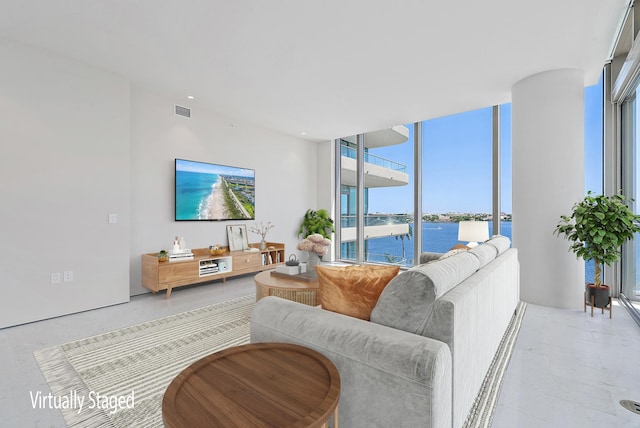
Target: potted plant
316	222
596	229
316	246
163	256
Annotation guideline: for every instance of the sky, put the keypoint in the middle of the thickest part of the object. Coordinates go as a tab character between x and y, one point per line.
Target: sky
457	161
209	168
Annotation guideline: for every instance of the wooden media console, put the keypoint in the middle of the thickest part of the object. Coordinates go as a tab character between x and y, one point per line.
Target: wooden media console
158	276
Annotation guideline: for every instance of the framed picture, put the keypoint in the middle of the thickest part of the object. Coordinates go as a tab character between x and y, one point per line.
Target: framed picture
237	235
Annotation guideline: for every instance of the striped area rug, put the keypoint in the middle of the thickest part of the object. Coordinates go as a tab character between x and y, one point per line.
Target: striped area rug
481	414
145	358
136	364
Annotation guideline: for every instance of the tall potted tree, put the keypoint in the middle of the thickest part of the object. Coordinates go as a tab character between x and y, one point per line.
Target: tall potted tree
596	229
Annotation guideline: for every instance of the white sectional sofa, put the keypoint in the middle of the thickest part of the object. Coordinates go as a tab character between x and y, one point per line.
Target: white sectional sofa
421	359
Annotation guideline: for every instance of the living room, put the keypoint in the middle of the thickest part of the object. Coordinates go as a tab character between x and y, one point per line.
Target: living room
89	151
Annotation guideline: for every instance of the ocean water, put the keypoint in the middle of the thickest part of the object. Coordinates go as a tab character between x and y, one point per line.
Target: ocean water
192	191
436	237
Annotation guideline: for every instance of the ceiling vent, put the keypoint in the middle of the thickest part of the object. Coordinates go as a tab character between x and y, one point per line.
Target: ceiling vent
183	111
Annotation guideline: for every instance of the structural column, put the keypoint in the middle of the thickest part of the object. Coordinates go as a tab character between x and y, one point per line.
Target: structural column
548	178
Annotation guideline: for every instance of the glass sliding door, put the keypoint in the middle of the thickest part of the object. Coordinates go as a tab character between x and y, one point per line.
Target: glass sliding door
631	188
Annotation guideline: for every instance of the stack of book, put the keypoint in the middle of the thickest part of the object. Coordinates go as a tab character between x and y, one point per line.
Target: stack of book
291	270
208	267
178	255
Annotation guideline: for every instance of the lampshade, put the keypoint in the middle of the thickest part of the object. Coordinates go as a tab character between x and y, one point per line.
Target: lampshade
473	231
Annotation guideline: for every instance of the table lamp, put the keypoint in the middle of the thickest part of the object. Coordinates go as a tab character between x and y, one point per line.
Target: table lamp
473	231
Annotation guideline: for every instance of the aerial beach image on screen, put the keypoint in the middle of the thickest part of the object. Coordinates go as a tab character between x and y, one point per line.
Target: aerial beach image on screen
206	191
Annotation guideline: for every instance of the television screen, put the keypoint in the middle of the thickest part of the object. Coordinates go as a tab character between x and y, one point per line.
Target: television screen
209	192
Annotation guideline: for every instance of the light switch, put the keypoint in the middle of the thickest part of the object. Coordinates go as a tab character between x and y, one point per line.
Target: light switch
113	218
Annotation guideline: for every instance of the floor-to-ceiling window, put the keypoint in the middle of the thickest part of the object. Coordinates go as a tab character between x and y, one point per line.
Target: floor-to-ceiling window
348	197
505	169
388	227
456	174
456	170
593	151
385	217
456	163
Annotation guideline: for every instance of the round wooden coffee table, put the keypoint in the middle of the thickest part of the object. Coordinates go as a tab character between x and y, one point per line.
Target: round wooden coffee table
255	385
286	287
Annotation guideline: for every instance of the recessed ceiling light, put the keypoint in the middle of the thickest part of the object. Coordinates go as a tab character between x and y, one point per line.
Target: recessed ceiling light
190	97
303	133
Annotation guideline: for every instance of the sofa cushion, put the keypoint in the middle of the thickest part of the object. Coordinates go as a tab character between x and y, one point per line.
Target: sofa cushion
485	253
428	256
451	252
407	301
501	243
353	290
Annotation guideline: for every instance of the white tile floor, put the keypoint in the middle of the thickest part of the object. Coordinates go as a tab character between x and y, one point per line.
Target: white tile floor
20	373
567	369
571	370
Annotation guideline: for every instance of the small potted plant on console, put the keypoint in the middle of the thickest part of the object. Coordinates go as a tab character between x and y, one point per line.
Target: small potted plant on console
596	229
163	256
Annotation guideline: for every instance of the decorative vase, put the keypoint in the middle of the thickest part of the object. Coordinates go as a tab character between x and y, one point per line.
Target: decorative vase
263	244
312	261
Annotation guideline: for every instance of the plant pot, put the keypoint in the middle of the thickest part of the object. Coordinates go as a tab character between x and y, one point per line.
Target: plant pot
600	295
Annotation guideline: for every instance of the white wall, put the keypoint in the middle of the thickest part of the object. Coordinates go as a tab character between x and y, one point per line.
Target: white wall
80	143
64	167
326	188
285	170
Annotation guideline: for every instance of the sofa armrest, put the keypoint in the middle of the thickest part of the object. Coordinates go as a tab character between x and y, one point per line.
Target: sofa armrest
428	256
388	377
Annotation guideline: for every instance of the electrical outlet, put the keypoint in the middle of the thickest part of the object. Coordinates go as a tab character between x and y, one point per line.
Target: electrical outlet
68	276
55	278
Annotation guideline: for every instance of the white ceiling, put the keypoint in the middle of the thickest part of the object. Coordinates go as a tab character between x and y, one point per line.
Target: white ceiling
329	68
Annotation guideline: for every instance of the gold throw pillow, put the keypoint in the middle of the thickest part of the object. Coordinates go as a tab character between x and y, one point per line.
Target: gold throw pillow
353	290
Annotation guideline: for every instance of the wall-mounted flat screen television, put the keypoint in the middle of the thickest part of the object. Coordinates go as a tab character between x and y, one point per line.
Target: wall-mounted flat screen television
210	192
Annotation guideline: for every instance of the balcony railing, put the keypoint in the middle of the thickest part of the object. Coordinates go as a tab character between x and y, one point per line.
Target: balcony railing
376	219
383	259
350	152
388	259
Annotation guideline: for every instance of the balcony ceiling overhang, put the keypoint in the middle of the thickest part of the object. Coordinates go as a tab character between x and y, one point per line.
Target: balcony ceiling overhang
348	178
329	69
391	136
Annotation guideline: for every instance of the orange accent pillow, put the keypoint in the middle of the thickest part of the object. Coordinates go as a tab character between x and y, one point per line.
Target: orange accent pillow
459	247
353	290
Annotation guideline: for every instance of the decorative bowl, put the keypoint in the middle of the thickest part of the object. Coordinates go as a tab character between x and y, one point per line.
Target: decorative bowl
217	252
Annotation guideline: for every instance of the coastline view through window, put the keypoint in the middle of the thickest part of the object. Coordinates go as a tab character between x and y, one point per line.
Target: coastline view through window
456	181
